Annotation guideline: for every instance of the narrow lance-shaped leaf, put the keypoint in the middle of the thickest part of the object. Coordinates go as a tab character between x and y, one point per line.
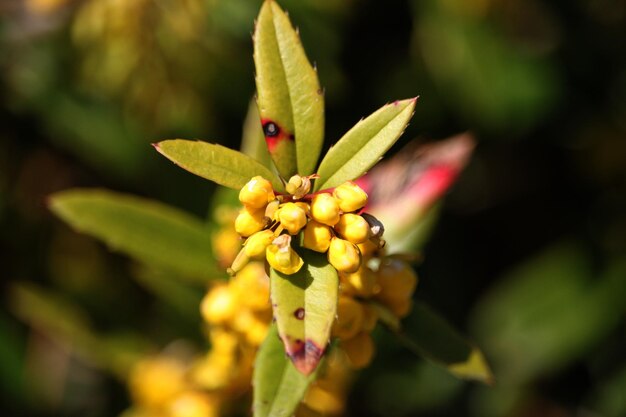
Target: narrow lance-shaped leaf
430	336
363	145
290	100
214	162
305	305
149	231
278	386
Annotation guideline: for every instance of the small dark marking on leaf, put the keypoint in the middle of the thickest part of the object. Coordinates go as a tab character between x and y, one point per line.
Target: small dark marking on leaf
299	313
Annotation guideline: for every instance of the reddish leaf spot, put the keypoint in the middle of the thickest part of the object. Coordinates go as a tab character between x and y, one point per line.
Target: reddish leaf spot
305	357
299	313
274	134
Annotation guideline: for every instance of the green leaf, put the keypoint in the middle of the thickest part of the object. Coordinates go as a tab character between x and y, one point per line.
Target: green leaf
288	93
305	305
431	337
364	145
216	163
278	386
149	231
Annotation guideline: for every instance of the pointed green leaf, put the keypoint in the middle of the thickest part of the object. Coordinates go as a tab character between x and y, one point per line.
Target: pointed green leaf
278	386
149	231
363	145
214	162
305	305
253	139
288	94
429	335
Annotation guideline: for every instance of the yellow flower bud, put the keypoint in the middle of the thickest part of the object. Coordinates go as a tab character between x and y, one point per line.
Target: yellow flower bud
257	243
397	280
298	186
324	402
292	217
252	286
370	318
343	255
359	350
194	404
283	258
350	197
324	209
219	305
349	318
369	248
363	282
353	228
249	221
400	307
156	380
256	193
317	236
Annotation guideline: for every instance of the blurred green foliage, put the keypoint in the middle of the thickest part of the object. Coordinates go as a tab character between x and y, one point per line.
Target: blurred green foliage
528	252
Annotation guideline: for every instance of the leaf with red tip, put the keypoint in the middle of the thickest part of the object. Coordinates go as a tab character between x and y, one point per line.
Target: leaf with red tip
305	305
363	145
290	100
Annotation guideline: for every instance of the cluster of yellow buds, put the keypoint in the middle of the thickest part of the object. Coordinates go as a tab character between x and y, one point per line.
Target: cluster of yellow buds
326	222
160	387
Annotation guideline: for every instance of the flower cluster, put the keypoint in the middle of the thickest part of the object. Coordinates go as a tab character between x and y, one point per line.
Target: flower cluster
326	222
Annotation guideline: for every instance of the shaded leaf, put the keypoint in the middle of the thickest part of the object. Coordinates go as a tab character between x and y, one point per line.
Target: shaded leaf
363	145
253	139
289	94
216	163
305	305
430	336
278	386
151	232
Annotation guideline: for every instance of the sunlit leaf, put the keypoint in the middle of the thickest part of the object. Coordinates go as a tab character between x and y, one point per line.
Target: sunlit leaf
149	231
430	336
216	163
363	145
290	100
305	305
278	386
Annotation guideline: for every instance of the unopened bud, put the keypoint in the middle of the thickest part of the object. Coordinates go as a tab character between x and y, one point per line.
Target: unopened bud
353	228
298	186
256	193
292	217
397	281
350	197
349	318
219	305
344	255
324	209
249	221
257	243
317	236
359	349
362	283
282	257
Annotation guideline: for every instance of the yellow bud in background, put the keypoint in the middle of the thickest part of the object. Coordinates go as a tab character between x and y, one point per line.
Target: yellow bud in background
156	380
353	228
343	255
368	248
219	305
249	221
397	280
359	350
292	217
324	209
252	286
317	236
324	402
363	282
399	307
283	258
256	193
257	243
350	197
349	318
370	318
194	404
